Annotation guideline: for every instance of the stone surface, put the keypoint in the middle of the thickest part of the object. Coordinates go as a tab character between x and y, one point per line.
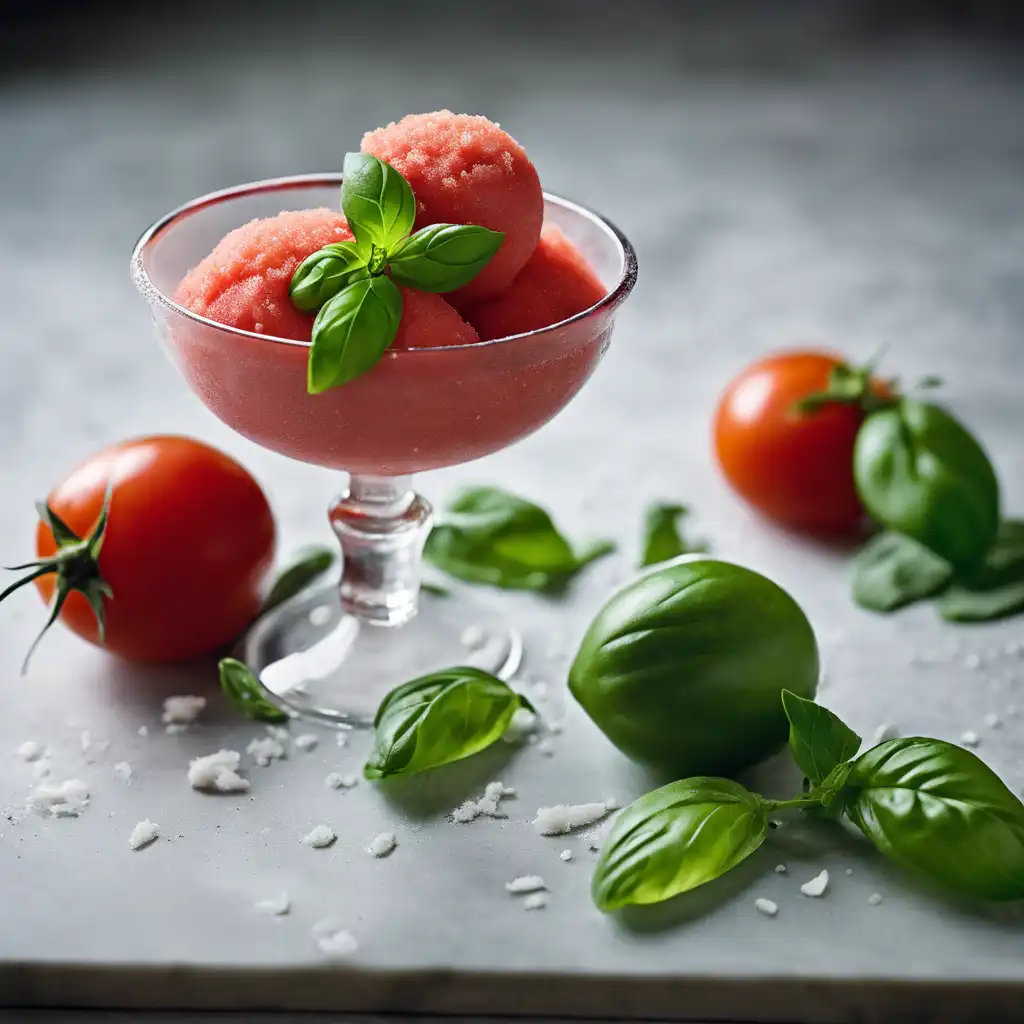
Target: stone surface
828	191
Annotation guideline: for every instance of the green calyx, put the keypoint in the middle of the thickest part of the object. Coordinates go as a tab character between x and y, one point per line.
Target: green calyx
847	385
352	286
76	565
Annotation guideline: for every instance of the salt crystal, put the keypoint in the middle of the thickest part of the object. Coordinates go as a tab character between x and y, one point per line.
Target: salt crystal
40	770
487	806
886	731
143	730
612	804
972	661
473	638
31	751
319	837
279	733
382	845
780	869
320	615
341	739
332	939
555	728
175	728
123	770
816	886
143	834
276	905
849	871
535	901
874	899
264	750
767	907
182	710
66	800
307	741
546	747
338	781
566	855
563	818
970	738
992	720
525	883
217	772
521	727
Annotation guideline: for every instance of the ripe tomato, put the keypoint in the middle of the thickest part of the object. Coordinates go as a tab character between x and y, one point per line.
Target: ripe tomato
189	541
794	466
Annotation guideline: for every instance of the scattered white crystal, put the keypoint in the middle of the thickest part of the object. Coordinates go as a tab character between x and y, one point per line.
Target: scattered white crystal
816	886
992	720
143	834
182	710
886	731
320	615
319	837
276	905
123	770
487	806
612	804
566	855
382	845
264	750
473	638
217	772
31	751
307	741
40	770
535	901
341	739
849	871
546	748
66	800
874	899
563	818
767	907
780	869
521	727
279	733
972	661
338	781
143	730
555	728
970	739
332	939
525	883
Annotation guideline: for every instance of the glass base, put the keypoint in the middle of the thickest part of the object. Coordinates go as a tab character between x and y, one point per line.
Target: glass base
322	663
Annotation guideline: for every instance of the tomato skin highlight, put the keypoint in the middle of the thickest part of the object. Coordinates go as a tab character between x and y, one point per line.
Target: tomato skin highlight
794	467
188	547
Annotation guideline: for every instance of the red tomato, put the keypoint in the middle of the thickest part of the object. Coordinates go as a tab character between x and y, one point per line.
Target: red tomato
796	467
189	542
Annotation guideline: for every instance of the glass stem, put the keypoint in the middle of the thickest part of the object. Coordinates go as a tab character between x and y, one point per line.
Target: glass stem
381	524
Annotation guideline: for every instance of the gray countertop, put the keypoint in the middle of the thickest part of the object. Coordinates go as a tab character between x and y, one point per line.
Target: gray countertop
848	190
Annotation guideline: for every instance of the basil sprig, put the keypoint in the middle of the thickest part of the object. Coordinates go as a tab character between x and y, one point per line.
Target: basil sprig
440	718
488	535
933	807
245	694
662	539
352	284
921	472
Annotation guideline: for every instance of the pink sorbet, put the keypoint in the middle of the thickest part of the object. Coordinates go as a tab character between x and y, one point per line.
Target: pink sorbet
555	284
430	322
244	282
464	169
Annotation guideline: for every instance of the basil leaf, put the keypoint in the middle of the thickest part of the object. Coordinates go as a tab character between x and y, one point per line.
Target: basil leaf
490	536
323	274
303	567
440	718
998	589
661	537
377	201
818	739
892	571
941	811
245	693
443	257
675	839
919	471
352	331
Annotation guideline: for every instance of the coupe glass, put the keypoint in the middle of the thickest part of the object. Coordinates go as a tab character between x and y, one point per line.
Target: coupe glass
333	652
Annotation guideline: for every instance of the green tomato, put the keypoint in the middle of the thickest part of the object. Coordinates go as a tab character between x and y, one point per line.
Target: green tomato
683	669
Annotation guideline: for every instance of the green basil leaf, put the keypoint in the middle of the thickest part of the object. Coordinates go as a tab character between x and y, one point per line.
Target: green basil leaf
245	694
834	783
352	331
304	566
818	739
490	536
941	811
920	472
377	201
443	257
323	274
998	589
440	718
892	571
675	839
661	537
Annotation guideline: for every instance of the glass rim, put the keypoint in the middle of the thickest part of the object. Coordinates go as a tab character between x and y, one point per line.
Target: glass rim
149	289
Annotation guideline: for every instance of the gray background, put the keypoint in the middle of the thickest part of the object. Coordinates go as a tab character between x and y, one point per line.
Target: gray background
818	175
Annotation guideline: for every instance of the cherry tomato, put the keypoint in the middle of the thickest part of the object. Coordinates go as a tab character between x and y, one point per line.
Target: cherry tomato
794	466
188	545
